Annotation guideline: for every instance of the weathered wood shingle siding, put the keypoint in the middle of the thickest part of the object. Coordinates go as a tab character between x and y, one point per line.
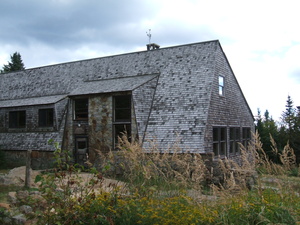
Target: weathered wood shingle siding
178	103
230	110
180	106
32	137
142	103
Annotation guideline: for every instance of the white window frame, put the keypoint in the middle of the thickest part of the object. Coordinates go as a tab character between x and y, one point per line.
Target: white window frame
221	81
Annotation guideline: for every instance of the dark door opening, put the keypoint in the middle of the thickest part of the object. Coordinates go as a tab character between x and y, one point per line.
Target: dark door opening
81	150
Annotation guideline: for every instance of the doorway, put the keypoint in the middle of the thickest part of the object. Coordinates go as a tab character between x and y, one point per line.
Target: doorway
81	150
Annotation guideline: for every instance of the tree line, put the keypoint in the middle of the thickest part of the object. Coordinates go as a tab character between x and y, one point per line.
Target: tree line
285	131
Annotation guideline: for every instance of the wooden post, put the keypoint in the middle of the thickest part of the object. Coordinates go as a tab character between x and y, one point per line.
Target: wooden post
28	167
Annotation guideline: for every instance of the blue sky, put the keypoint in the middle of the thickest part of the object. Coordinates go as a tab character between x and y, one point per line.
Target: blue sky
260	38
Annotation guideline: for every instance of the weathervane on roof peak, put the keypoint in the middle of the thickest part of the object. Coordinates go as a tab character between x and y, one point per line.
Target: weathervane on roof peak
151	46
149	35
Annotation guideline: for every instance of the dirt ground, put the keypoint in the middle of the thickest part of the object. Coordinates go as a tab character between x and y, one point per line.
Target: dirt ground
16	177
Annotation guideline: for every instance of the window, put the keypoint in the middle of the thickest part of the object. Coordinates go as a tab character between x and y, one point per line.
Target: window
234	138
122	116
219	140
46	117
221	85
17	119
246	136
81	111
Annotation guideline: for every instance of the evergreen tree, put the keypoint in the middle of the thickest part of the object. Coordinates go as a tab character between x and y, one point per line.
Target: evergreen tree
290	127
288	116
16	64
266	128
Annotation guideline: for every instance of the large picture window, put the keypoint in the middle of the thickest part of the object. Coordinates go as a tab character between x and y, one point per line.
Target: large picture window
122	117
17	119
219	141
234	138
46	117
81	109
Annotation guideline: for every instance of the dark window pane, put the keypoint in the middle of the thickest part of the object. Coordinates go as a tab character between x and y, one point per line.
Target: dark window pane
220	140
232	147
234	140
81	109
237	134
122	101
215	134
246	136
81	145
246	133
232	134
122	129
17	119
223	134
237	147
45	117
223	148
122	105
216	148
122	115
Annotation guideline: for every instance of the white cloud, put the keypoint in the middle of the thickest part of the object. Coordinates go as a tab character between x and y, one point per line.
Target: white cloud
260	38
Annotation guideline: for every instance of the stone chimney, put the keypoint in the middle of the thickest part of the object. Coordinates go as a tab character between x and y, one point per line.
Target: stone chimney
152	46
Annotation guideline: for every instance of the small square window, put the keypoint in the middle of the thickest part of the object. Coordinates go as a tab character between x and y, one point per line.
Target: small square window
17	119
45	117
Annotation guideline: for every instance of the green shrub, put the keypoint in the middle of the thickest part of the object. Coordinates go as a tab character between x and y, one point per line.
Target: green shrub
257	207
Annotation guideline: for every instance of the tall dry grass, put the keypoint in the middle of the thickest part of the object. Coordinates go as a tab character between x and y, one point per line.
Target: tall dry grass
152	168
172	169
156	179
264	164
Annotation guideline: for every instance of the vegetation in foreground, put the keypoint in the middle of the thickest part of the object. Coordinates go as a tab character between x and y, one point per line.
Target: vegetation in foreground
159	191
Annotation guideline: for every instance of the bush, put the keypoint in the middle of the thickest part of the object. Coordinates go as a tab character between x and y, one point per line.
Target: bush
257	207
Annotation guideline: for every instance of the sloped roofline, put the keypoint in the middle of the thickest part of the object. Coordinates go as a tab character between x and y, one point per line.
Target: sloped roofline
236	80
115	55
39	100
